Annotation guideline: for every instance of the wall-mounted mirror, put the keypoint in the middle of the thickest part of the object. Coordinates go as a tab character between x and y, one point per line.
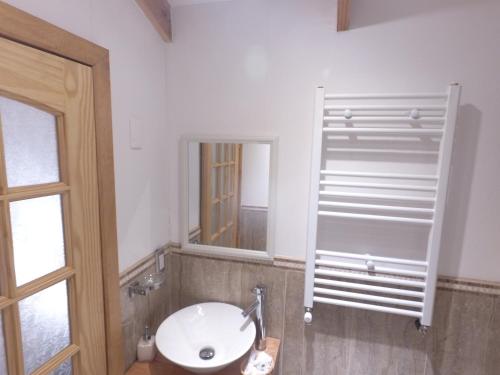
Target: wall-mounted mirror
228	199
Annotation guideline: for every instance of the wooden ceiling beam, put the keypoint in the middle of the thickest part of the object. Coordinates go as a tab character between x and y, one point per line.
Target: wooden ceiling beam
158	13
343	14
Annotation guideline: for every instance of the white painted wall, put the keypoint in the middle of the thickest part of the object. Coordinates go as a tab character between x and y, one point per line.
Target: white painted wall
251	67
255	164
137	57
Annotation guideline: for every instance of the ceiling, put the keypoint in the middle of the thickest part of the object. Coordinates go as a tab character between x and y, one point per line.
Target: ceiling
176	3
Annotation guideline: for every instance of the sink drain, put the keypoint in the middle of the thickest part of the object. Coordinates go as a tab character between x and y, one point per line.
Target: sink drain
207	353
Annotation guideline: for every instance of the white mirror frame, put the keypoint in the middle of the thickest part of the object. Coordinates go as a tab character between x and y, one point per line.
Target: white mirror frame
273	174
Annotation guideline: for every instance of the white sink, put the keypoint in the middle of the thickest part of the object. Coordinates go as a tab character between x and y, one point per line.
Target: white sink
217	329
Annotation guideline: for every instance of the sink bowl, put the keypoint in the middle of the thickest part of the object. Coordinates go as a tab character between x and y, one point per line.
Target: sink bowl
206	337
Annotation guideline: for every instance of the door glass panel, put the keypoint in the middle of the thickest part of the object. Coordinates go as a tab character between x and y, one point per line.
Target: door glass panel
3	359
38	238
65	368
44	325
30	142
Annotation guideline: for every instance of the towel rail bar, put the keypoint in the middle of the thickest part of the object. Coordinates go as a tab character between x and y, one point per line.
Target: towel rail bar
368	297
378	186
384	120
375	279
367	268
379	175
387	96
377	207
365	306
367	257
368	287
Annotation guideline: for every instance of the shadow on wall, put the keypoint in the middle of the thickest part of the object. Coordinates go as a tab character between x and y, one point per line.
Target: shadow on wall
459	187
362	342
462	340
364	13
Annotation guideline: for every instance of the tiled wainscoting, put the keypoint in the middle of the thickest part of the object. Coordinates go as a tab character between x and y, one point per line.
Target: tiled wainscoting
464	339
252	228
139	311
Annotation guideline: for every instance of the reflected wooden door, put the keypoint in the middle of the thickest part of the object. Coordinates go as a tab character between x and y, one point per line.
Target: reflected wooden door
51	299
220	193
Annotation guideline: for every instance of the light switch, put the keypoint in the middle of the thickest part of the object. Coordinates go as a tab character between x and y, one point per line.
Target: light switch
159	260
161	264
136	134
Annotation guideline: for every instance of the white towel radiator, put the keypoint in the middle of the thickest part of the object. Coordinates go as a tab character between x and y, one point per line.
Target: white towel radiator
410	196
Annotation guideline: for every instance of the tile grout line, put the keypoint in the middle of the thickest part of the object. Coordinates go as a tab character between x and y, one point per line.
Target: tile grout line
284	323
350	327
183	267
490	320
303	352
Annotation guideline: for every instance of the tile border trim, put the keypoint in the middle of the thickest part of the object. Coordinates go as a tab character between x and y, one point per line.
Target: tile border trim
141	266
468	285
444	282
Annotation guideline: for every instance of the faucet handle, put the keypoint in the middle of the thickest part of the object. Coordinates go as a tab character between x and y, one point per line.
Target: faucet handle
259	290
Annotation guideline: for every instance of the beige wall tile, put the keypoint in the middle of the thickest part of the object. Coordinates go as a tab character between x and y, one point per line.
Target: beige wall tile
327	342
492	361
464	338
384	344
292	344
173	269
461	334
209	280
274	280
139	311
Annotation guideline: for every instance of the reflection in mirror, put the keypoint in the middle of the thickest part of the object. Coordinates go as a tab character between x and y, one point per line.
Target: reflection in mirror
3	357
228	194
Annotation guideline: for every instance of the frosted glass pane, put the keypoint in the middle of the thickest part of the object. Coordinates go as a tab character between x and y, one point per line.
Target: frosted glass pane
30	140
66	368
44	325
3	358
38	238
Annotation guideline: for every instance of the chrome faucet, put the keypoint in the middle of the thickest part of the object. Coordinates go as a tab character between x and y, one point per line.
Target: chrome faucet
258	307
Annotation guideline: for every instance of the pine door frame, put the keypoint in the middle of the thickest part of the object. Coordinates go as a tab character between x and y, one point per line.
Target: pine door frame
24	28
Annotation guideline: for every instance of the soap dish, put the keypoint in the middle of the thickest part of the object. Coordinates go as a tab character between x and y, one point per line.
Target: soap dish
153	281
149	282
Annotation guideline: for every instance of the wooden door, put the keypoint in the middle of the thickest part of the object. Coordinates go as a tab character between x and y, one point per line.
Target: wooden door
220	193
51	288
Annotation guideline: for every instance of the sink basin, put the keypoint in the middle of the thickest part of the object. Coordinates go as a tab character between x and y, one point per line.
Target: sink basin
206	337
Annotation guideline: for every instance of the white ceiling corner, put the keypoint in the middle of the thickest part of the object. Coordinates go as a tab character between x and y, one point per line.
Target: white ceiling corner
178	3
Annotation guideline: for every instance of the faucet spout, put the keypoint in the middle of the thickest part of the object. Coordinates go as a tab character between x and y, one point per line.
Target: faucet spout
258	308
250	309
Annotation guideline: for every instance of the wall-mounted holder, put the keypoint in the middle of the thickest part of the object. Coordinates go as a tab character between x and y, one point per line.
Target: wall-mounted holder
420	327
151	281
